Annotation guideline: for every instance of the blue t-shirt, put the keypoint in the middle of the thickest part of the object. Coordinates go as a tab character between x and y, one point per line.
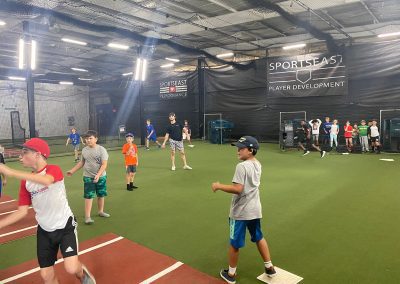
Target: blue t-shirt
326	126
75	138
149	129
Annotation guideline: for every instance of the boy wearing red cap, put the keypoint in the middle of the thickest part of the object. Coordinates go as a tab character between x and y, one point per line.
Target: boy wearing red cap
44	190
245	208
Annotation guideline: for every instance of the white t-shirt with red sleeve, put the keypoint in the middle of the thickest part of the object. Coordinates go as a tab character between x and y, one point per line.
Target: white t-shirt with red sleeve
49	202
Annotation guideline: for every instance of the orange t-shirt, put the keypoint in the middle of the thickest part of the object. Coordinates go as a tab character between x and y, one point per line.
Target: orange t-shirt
131	157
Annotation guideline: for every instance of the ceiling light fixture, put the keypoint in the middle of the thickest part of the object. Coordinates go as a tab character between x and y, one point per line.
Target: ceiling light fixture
79	69
294	46
118	46
65	83
16	78
389	34
64	39
127	74
33	54
85	79
2	23
172	59
21	44
225	55
167	65
140	72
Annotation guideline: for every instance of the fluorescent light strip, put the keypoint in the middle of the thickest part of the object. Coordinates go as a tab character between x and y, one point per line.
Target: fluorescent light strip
224	55
16	78
118	46
21	44
127	74
172	59
79	69
73	41
144	69
33	55
137	71
65	83
85	79
2	23
167	65
294	46
389	34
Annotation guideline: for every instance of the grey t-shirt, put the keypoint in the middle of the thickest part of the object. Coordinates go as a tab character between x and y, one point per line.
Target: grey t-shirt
247	205
93	158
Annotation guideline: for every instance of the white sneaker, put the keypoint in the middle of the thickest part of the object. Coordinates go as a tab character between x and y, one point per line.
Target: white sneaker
187	167
191	146
306	153
173	168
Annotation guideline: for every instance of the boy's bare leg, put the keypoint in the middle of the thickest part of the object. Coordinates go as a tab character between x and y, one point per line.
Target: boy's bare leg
262	247
88	207
100	204
183	156
48	275
173	158
233	256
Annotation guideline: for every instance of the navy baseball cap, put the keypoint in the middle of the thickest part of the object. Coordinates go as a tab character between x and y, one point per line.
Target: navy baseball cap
247	142
129	134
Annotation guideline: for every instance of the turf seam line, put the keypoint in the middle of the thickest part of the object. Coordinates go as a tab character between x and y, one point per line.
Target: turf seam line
162	273
33	270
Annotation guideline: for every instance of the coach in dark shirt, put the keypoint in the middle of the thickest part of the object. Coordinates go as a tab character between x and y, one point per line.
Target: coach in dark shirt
174	134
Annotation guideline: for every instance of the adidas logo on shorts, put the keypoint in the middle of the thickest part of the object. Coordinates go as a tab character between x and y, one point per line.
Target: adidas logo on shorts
69	249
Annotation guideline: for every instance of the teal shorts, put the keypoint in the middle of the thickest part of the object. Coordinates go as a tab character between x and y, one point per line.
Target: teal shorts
91	189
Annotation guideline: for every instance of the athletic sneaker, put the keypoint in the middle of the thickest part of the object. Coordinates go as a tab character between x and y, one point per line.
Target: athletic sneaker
323	154
173	168
89	221
104	214
134	186
225	275
147	148
187	167
270	271
87	276
306	153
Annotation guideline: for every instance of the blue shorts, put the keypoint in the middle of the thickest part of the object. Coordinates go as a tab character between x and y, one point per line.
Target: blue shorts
237	231
153	138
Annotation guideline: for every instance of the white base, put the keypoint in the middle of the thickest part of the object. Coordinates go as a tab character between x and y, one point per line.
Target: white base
387	160
281	277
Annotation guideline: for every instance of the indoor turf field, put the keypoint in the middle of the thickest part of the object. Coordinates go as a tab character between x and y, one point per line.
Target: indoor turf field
330	220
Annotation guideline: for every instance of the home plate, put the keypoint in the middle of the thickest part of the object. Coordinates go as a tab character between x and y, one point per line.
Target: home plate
387	160
281	277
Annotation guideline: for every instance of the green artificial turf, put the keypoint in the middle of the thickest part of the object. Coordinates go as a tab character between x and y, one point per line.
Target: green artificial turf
330	220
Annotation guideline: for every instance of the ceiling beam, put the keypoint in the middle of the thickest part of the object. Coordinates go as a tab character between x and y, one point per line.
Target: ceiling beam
376	21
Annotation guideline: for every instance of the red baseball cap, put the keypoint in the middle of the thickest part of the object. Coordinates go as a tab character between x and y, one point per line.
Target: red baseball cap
38	145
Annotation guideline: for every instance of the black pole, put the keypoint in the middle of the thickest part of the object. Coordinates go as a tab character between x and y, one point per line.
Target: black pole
141	110
202	93
30	90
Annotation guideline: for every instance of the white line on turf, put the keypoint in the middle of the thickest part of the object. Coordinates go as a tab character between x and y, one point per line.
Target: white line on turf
162	273
4	213
23	274
8	201
17	231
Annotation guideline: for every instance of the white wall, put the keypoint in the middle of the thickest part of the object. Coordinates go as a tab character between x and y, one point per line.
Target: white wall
53	105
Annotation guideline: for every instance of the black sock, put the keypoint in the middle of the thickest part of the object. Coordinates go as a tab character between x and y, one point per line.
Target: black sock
128	186
131	184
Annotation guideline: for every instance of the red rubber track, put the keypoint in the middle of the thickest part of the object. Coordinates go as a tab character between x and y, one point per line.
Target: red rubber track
120	262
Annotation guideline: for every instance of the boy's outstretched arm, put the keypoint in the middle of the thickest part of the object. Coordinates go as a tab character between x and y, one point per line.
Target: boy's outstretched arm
14	217
74	169
41	179
235	188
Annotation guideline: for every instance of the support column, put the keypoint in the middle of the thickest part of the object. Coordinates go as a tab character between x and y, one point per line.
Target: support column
202	93
30	91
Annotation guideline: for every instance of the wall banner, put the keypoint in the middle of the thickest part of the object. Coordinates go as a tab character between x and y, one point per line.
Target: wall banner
307	75
173	89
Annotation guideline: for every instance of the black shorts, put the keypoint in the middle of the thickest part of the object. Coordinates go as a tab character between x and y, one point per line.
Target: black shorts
48	243
375	139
